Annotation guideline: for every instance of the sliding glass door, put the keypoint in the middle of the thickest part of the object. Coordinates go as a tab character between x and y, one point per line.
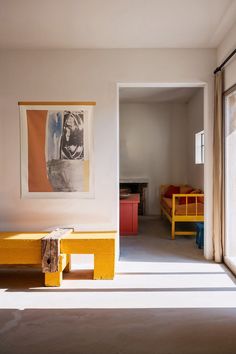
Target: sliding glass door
230	172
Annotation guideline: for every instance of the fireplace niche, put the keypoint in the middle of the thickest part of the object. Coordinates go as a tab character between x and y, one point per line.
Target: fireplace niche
139	187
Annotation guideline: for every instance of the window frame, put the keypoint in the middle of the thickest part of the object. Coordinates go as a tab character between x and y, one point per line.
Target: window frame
199	148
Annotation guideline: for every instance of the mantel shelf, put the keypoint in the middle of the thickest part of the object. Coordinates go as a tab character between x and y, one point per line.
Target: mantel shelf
134	180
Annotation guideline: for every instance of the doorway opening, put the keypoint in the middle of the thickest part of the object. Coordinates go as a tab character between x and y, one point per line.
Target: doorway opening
159	130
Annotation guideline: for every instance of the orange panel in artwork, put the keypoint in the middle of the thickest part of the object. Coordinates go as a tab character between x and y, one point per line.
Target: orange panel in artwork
37	171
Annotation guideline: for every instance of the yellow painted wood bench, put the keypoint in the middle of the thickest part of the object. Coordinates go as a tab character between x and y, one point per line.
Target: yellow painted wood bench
25	248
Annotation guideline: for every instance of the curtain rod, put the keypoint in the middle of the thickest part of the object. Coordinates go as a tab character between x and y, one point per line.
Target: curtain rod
225	61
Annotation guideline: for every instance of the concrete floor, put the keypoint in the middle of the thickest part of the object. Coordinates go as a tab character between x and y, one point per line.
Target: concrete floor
164	299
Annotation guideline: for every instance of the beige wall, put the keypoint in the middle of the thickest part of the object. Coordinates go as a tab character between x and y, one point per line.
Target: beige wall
178	173
153	145
195	114
83	75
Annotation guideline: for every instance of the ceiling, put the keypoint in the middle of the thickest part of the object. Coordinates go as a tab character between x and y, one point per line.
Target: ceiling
156	94
57	24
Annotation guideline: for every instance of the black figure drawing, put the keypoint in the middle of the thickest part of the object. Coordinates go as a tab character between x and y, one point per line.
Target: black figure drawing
66	151
72	140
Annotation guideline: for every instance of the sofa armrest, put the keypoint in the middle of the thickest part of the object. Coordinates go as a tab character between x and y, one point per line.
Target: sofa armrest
175	198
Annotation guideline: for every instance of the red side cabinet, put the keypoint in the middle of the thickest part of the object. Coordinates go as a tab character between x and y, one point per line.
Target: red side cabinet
129	215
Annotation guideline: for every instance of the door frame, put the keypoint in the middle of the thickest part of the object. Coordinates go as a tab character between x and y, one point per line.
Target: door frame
208	158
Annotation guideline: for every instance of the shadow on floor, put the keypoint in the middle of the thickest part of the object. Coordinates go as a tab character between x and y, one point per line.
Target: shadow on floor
127	331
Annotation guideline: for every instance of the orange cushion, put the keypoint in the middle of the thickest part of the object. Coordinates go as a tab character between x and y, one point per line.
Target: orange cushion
192	209
196	191
183	200
167	204
172	190
185	189
190	200
201	199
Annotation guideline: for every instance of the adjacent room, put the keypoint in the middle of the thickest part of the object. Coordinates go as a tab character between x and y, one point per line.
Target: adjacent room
161	153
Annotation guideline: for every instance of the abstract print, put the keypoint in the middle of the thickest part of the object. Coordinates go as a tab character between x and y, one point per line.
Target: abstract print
58	150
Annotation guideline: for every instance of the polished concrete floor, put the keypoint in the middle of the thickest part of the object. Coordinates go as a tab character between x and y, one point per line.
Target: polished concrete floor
165	299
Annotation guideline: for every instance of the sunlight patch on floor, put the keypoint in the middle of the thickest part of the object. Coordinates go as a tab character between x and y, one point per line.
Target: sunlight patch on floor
136	285
168	267
118	300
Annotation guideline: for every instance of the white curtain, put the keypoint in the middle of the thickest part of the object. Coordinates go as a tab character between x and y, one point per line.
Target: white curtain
218	170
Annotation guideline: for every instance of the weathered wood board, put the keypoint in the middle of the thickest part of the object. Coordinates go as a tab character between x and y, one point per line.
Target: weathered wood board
50	250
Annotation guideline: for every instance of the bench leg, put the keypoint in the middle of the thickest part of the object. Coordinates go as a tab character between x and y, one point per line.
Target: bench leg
53	279
68	263
173	230
104	266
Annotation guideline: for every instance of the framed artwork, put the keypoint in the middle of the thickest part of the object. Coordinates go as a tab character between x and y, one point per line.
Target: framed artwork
56	149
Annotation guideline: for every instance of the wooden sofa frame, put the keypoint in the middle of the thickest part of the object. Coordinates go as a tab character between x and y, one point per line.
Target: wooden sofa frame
173	218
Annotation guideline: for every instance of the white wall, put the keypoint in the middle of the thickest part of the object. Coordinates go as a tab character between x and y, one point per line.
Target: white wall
153	145
84	75
195	113
227	45
178	144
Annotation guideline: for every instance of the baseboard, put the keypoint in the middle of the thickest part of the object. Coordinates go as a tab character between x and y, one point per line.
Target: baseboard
231	263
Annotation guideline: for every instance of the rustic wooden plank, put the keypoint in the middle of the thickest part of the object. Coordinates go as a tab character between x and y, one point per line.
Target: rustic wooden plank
50	249
56	103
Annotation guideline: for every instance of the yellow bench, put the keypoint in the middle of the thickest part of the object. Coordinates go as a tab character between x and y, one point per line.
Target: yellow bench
25	248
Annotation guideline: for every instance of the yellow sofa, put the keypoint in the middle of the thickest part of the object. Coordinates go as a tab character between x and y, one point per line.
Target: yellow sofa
187	205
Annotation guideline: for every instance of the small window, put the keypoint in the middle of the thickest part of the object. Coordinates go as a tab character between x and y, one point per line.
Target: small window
199	147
